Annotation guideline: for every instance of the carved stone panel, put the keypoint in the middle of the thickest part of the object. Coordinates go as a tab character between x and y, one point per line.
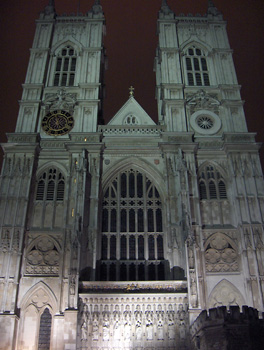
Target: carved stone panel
220	255
43	258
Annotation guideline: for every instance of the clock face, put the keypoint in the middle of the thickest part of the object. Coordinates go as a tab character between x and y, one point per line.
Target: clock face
57	123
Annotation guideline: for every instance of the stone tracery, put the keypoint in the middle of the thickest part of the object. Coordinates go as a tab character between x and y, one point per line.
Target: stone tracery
220	255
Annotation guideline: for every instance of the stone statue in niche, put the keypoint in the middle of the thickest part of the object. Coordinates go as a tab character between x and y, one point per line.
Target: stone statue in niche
84	331
182	330
127	330
116	313
160	330
171	330
106	313
138	330
138	313
72	288
86	313
127	313
181	314
106	329
175	241
72	285
96	313
149	329
170	313
149	313
160	313
117	330
171	324
95	329
194	301
191	258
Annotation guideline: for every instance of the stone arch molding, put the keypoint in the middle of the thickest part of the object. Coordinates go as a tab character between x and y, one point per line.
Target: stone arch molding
139	165
202	45
40	297
77	46
35	302
45	167
217	167
225	294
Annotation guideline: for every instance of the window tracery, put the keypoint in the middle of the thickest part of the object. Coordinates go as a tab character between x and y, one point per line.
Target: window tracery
212	184
65	67
51	185
196	67
43	258
132	229
220	255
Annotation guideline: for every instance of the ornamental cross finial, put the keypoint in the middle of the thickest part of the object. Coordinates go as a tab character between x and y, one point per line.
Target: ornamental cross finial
131	91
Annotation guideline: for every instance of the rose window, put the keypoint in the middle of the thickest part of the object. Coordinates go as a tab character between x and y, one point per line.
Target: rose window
205	122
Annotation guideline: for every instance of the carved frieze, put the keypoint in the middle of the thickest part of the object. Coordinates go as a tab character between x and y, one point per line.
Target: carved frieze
202	100
61	101
148	320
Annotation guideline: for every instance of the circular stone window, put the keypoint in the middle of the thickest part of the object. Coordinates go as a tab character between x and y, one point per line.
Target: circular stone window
205	122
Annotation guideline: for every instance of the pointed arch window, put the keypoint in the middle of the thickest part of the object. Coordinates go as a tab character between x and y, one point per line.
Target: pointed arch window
196	67
135	231
212	184
132	204
44	330
65	67
50	186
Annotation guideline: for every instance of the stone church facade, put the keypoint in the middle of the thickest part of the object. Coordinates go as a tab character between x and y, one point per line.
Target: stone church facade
118	236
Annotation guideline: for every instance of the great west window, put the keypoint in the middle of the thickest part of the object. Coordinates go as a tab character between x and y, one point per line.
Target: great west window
132	229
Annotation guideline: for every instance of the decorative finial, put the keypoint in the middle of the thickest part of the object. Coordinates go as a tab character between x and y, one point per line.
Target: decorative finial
212	10
165	11
97	8
131	91
50	8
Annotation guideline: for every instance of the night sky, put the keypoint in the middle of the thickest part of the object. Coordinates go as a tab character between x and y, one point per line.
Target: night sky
130	46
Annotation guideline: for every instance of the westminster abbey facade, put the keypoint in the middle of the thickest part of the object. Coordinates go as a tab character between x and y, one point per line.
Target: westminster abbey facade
124	235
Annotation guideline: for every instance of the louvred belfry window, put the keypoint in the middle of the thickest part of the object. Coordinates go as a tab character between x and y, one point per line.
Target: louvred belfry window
196	67
212	184
50	186
65	67
132	227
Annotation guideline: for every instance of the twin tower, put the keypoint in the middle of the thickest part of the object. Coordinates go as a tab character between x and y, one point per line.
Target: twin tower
117	236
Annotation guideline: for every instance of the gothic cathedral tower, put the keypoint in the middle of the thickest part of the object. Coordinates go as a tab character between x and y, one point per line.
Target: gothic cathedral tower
119	235
45	180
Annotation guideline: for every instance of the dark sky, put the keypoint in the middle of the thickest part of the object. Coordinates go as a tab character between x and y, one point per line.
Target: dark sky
130	45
